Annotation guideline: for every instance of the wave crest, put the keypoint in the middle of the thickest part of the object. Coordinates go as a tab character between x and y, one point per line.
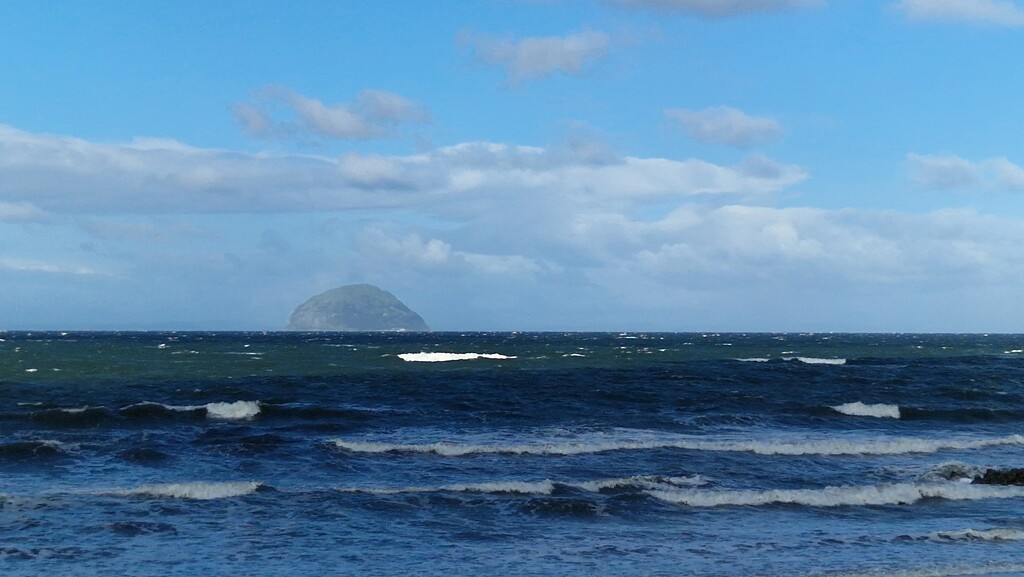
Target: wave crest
200	490
859	409
891	494
828	447
426	357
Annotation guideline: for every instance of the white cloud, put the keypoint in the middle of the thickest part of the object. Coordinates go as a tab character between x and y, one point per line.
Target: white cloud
718	8
73	176
951	172
992	12
381	250
539	57
725	125
373	114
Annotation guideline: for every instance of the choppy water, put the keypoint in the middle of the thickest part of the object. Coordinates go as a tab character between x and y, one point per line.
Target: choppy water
483	454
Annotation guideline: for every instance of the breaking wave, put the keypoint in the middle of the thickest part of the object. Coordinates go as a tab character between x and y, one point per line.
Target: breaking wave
890	494
425	357
835	447
859	409
200	490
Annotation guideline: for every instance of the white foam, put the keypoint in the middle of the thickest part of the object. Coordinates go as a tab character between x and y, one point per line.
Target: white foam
600	444
754	360
997	534
545	487
859	409
817	361
235	410
200	490
889	494
425	357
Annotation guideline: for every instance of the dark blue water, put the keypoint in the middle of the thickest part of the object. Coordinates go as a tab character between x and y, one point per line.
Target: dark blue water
508	453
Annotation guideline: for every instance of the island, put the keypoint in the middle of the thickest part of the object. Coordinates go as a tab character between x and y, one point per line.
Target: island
357	307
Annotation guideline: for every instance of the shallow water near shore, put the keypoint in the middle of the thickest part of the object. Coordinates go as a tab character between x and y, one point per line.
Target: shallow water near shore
509	453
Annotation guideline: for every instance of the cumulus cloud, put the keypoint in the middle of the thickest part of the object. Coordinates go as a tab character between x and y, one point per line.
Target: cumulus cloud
951	172
373	114
540	56
67	175
718	8
725	125
991	12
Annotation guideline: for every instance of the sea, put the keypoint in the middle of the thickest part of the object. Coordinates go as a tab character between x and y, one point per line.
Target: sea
721	454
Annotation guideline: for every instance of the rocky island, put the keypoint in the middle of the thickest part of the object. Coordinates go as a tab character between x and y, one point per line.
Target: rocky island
358	307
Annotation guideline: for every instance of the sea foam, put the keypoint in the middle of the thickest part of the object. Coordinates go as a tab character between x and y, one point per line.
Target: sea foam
426	357
200	490
587	445
859	409
888	494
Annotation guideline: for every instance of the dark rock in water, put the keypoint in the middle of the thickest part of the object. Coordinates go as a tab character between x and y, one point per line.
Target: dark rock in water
1000	477
358	307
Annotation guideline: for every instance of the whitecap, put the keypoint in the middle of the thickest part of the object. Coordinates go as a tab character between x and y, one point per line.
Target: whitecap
859	409
599	444
817	361
426	357
236	410
200	490
869	495
754	360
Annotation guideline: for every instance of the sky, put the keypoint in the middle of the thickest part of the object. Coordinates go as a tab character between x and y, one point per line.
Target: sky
550	165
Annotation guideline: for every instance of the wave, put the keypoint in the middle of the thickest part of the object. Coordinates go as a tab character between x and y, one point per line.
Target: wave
33	449
870	495
859	409
425	357
200	490
996	534
544	487
227	411
829	447
816	361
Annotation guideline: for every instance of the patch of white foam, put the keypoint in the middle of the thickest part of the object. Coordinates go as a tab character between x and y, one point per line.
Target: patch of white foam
200	490
425	357
889	494
227	411
754	360
817	361
599	444
859	409
235	410
997	534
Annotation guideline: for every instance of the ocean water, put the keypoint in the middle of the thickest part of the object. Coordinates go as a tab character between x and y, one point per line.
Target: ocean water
509	453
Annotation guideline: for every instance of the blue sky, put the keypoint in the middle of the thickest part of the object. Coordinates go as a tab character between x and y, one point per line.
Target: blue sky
715	165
